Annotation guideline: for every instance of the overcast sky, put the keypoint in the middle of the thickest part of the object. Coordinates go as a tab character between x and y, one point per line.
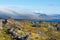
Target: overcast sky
42	6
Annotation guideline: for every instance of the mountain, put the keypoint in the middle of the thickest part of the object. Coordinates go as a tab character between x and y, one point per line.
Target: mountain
4	14
48	17
15	15
43	16
55	16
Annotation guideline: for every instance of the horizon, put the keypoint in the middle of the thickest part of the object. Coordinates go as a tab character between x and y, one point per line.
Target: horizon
39	6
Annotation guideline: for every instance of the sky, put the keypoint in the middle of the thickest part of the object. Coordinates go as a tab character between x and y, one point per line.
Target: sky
40	6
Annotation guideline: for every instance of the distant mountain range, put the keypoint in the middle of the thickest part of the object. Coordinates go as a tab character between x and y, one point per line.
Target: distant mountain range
37	16
45	16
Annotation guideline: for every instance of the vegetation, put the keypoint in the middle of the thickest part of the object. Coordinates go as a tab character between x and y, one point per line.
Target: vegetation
34	30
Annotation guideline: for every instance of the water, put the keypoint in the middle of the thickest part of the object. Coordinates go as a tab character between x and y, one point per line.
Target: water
35	20
54	20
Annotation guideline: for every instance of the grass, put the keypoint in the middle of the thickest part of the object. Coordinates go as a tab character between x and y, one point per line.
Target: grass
45	32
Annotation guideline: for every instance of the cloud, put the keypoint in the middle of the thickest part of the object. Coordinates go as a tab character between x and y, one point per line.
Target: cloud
9	9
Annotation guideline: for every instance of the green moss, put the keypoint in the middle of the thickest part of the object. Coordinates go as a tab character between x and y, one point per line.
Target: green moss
4	35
